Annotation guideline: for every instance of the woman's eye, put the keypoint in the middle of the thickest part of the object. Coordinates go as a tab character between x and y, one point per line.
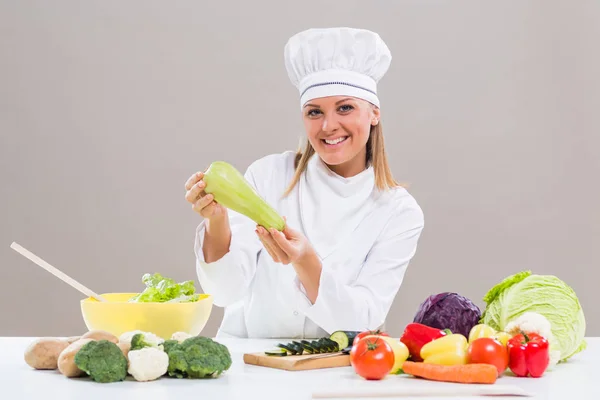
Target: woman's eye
346	108
313	113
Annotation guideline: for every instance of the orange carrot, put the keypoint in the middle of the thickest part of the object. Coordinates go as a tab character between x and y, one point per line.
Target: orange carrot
463	373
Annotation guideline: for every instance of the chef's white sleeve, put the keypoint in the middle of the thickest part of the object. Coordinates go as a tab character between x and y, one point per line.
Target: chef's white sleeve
228	278
365	302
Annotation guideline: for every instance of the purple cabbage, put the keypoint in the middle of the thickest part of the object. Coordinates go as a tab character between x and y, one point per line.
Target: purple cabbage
448	311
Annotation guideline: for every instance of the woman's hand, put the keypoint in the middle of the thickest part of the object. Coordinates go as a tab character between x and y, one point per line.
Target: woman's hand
202	203
292	247
286	247
217	234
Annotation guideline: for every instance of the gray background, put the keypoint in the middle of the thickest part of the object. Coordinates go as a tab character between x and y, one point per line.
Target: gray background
490	110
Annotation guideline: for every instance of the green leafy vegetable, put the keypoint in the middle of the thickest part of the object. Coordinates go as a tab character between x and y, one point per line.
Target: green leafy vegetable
197	357
103	361
160	289
546	295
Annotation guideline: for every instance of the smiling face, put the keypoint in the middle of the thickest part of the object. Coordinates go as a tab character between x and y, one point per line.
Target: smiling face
338	128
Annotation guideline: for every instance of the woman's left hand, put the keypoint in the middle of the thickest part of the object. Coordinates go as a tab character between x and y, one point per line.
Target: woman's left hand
285	247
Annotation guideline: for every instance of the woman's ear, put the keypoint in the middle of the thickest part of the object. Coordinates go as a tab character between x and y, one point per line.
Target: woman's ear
375	116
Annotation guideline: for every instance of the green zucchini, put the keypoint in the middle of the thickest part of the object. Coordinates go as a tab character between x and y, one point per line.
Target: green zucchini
344	339
232	190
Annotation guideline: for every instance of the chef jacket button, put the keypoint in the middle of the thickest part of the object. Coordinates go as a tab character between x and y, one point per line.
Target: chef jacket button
295	312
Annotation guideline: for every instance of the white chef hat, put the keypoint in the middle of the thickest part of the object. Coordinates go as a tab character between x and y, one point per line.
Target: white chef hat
336	62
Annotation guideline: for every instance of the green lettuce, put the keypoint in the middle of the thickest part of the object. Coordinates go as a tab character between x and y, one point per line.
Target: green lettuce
545	294
160	289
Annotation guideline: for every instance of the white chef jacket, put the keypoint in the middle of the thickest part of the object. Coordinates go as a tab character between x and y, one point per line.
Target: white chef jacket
364	238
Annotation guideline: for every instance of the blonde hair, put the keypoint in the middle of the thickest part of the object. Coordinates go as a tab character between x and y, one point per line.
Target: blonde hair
376	156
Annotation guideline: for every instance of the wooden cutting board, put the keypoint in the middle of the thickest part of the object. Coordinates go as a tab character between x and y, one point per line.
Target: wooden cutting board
298	363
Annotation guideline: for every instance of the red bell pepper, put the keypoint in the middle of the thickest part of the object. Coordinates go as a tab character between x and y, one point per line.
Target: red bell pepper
417	335
529	354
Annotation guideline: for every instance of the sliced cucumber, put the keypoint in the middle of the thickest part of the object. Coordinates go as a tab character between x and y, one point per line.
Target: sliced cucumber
344	339
298	346
289	349
308	347
317	346
277	352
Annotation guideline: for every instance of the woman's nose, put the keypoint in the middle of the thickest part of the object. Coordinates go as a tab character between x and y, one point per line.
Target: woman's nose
330	123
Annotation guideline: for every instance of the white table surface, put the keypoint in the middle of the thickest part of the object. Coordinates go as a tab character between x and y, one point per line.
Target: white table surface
577	379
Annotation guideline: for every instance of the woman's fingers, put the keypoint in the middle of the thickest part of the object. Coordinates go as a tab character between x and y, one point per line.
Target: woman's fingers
267	246
192	180
202	203
273	248
282	242
194	192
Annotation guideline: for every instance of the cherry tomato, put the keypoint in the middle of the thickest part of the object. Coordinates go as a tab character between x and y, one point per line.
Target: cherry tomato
488	351
369	333
372	358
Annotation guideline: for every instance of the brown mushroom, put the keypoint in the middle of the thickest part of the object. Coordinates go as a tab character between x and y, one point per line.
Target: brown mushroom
100	335
43	353
66	359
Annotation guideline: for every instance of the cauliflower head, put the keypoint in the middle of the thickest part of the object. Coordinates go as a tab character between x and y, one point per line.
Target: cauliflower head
148	363
530	322
198	357
141	340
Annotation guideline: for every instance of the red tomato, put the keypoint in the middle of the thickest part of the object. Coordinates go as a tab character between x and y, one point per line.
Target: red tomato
368	333
488	351
372	358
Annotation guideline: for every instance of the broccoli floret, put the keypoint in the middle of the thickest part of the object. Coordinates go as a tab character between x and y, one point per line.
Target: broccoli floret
168	344
141	340
103	361
198	357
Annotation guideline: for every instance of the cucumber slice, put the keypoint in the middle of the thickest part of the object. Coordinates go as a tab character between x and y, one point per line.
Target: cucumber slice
298	346
318	346
308	347
277	352
344	339
326	345
290	349
333	345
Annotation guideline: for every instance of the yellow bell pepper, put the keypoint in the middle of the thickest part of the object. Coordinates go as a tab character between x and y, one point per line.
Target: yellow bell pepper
486	331
447	350
502	337
481	331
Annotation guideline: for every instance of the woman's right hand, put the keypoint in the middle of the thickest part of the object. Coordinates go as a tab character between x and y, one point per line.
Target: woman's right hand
203	203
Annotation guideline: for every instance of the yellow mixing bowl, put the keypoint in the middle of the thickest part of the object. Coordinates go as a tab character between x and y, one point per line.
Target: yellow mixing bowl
118	316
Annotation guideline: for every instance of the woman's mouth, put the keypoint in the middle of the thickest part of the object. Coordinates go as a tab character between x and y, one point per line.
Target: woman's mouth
335	142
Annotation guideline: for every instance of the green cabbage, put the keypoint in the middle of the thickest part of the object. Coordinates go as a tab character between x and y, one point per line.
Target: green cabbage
546	295
160	289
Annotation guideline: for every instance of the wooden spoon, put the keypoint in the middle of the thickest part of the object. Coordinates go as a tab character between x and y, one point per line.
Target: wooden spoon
59	274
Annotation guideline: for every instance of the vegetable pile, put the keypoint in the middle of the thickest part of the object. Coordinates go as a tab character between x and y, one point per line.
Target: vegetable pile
530	323
160	289
105	358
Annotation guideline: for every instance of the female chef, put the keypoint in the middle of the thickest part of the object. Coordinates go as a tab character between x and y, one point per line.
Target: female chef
351	230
